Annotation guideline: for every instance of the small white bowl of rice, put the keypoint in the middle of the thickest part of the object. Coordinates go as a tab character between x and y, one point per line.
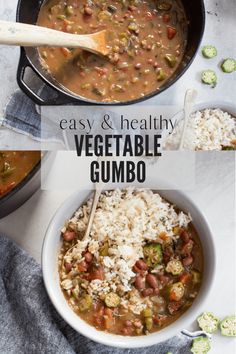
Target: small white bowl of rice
211	127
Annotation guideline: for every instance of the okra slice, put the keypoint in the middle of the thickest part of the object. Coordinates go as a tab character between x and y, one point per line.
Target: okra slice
164	5
209	77
176	291
153	254
171	60
209	51
147	312
228	326
85	303
228	65
174	267
112	300
208	322
196	277
148	323
161	75
200	345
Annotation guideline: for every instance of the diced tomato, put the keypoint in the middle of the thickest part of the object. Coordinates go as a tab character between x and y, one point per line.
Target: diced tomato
98	322
101	71
6	189
82	266
163	235
185	278
127	331
82	74
66	52
166	18
97	273
108	318
234	142
160	319
174	306
171	32
65	24
173	296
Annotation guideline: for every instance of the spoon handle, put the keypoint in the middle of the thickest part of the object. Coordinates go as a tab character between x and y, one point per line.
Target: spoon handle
97	193
14	33
189	100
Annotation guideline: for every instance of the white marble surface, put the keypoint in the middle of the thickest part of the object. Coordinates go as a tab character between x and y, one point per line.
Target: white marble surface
214	194
215	190
220	31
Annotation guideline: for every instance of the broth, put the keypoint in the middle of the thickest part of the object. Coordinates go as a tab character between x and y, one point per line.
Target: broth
15	166
147	42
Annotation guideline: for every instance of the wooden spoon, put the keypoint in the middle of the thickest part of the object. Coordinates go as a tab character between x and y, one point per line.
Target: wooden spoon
14	33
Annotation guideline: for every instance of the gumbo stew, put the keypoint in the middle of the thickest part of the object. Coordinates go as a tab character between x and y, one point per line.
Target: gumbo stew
147	40
141	268
14	167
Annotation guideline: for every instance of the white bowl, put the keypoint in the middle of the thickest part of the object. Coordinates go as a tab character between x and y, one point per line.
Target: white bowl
50	252
179	116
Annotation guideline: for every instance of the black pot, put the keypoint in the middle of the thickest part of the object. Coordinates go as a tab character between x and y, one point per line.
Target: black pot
27	12
25	189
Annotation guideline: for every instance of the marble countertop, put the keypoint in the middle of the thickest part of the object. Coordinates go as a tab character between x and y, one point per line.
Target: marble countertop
215	189
214	194
220	31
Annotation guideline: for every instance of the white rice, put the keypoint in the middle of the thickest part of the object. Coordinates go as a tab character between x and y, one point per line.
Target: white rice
126	220
209	129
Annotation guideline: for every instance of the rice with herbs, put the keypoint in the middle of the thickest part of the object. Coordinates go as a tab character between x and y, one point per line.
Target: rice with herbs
124	221
209	129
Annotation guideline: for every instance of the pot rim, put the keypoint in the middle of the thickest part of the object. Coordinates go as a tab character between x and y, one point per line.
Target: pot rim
80	100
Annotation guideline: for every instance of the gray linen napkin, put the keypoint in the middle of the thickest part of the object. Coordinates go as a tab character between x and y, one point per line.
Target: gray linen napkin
23	116
29	323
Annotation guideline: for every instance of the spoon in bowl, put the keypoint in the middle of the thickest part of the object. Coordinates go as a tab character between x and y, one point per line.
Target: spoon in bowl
21	34
96	196
189	101
97	193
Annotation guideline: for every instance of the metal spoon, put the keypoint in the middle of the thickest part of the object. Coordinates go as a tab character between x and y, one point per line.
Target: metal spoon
189	100
21	34
96	196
